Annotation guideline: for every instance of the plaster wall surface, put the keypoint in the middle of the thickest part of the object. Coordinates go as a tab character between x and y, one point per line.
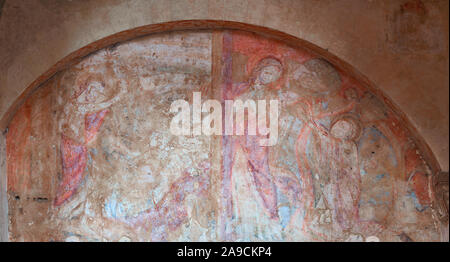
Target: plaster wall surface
3	197
400	45
92	155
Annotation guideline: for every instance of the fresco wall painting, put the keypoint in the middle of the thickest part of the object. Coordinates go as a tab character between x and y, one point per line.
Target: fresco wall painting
90	156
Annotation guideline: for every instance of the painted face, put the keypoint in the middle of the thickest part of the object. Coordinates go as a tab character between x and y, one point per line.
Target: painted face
269	74
318	76
94	93
345	129
93	89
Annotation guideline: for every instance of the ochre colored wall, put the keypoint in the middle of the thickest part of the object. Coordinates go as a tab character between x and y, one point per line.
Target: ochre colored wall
400	45
3	197
90	156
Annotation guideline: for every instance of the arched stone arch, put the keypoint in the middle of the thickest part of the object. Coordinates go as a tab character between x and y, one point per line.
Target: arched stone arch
236	47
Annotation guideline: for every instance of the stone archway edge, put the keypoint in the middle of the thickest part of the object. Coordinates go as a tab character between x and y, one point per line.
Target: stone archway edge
125	35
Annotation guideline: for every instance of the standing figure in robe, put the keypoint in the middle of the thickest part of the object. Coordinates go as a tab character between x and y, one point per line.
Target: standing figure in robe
90	94
326	156
256	88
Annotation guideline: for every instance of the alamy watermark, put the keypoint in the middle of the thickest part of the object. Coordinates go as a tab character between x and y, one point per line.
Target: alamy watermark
257	121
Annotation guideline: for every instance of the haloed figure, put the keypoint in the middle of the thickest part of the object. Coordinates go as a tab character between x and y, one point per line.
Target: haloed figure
89	95
266	73
325	149
346	176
